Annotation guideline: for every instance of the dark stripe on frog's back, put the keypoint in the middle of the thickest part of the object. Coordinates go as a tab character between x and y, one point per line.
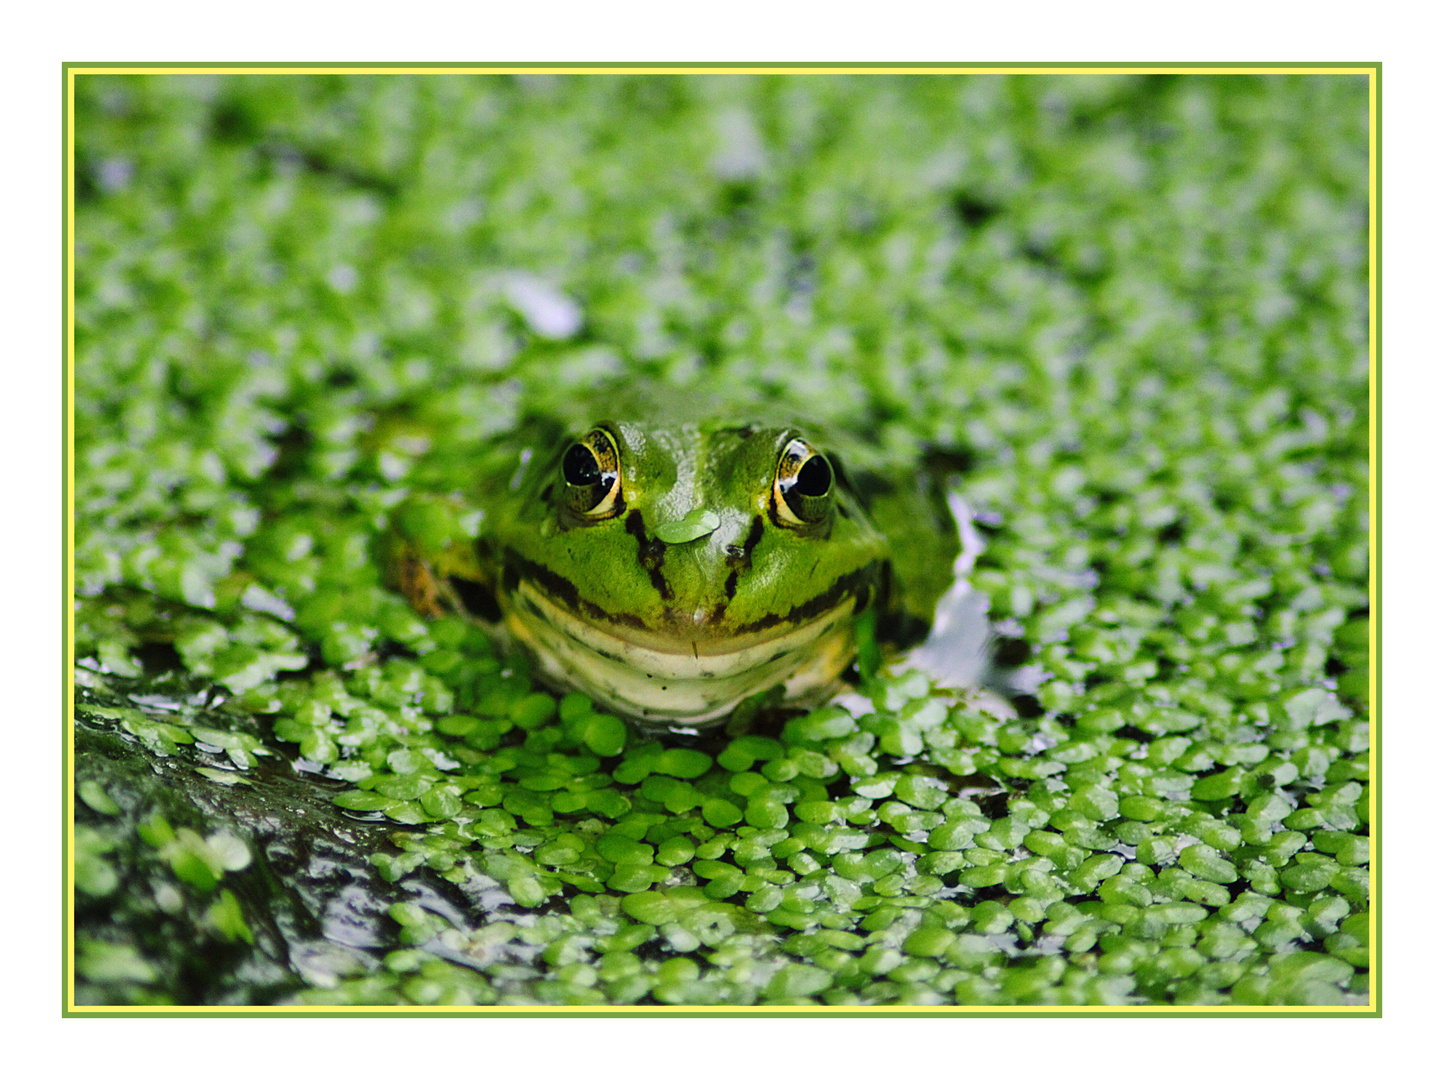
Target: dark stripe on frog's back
517	568
650	554
862	583
740	558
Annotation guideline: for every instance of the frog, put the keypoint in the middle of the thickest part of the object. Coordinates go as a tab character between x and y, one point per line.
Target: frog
671	570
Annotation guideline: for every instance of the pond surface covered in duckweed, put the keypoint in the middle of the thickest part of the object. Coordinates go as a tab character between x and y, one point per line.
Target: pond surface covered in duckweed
1128	312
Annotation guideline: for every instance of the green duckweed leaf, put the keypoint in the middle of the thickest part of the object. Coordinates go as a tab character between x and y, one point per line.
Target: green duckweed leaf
697	523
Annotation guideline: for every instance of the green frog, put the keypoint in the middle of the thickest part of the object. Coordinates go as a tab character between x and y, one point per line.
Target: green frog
672	570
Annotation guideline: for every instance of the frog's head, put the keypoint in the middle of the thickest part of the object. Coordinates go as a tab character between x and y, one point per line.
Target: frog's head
671	571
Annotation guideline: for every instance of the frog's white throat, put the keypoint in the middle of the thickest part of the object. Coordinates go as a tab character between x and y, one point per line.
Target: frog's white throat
671	683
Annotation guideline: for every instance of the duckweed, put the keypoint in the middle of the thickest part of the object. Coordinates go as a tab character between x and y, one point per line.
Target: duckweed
1126	313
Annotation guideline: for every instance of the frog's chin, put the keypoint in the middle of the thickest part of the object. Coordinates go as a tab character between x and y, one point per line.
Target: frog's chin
667	681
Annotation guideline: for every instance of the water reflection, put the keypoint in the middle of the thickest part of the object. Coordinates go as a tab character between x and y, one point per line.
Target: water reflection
956	653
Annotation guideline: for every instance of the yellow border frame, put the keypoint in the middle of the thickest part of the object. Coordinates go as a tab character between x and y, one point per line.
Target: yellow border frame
68	1007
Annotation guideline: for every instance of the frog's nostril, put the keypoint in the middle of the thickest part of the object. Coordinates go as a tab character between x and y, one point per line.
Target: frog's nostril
697	523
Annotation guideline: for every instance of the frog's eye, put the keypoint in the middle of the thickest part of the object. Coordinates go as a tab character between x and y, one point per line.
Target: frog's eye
802	492
590	471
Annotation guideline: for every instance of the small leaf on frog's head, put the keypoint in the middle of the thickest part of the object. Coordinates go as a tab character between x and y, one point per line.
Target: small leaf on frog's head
697	523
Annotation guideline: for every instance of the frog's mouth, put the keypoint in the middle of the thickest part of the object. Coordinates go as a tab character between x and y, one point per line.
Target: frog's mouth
682	678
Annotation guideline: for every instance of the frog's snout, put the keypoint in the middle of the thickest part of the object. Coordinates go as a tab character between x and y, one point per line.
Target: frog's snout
696	524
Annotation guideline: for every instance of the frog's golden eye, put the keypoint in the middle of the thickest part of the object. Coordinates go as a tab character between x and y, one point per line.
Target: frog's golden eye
802	492
590	470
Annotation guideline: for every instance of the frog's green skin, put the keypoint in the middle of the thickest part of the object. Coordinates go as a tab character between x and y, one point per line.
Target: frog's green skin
693	584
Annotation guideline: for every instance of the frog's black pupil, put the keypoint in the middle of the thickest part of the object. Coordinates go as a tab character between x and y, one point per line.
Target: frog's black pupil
580	467
815	477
